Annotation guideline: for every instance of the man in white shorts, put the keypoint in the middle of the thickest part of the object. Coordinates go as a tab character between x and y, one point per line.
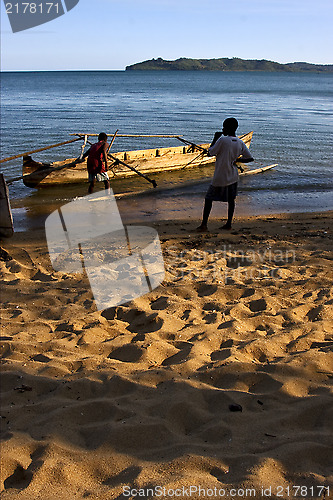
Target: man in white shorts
97	163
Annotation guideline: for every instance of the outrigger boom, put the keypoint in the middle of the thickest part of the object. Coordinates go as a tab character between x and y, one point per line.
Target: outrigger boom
20	155
82	134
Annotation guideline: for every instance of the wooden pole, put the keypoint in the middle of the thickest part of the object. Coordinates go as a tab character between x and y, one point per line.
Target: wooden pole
40	149
130	135
113	138
203	150
83	146
152	181
194	159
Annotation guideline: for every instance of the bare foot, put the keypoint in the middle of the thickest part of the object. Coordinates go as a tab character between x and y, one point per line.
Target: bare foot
226	226
201	229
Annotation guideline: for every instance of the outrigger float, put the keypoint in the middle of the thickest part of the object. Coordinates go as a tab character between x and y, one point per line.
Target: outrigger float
122	164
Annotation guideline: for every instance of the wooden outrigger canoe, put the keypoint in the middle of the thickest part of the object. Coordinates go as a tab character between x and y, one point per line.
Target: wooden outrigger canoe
6	218
122	164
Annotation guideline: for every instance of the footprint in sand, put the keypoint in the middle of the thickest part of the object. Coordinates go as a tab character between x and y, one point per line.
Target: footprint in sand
204	290
236	262
198	336
220	355
324	292
325	346
139	320
186	314
211	307
41	358
219	474
4	255
40	276
140	337
314	314
13	266
227	344
210	318
19	480
65	327
226	324
160	303
16	313
247	293
181	356
109	314
126	476
147	323
129	353
258	305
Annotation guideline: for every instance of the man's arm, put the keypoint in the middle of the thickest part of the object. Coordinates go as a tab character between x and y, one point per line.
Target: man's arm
217	135
245	156
244	160
81	160
214	150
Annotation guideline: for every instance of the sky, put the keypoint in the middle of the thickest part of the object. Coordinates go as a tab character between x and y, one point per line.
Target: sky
111	34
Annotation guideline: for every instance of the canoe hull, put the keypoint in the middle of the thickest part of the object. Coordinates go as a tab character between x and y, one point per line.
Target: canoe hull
147	161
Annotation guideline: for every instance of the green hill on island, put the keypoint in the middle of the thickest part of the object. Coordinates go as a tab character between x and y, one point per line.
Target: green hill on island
225	64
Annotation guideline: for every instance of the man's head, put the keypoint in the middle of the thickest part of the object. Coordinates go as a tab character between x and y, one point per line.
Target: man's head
102	136
230	126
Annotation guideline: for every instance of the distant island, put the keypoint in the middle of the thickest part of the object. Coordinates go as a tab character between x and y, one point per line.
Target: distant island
225	64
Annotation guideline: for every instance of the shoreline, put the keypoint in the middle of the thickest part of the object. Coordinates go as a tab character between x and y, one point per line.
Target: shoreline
171	202
25	221
221	377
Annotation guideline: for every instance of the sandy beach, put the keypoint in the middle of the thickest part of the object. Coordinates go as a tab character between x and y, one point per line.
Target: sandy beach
218	383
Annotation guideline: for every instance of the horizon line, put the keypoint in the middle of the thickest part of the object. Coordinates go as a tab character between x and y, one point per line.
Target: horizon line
52	70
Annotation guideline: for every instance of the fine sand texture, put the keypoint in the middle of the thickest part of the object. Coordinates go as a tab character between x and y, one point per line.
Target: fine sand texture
219	379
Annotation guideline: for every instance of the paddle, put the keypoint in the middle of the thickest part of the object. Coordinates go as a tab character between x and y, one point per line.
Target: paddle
117	161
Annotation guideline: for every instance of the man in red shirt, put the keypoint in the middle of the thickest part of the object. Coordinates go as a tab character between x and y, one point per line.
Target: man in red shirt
97	163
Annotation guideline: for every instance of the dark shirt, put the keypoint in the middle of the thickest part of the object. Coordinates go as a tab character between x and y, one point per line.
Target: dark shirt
95	162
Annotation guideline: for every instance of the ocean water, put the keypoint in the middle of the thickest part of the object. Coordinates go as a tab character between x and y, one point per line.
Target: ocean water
291	115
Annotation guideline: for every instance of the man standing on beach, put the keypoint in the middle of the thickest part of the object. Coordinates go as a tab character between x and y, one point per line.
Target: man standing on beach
97	163
227	148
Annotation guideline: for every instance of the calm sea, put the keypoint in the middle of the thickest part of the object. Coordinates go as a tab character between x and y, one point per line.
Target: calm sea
291	116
